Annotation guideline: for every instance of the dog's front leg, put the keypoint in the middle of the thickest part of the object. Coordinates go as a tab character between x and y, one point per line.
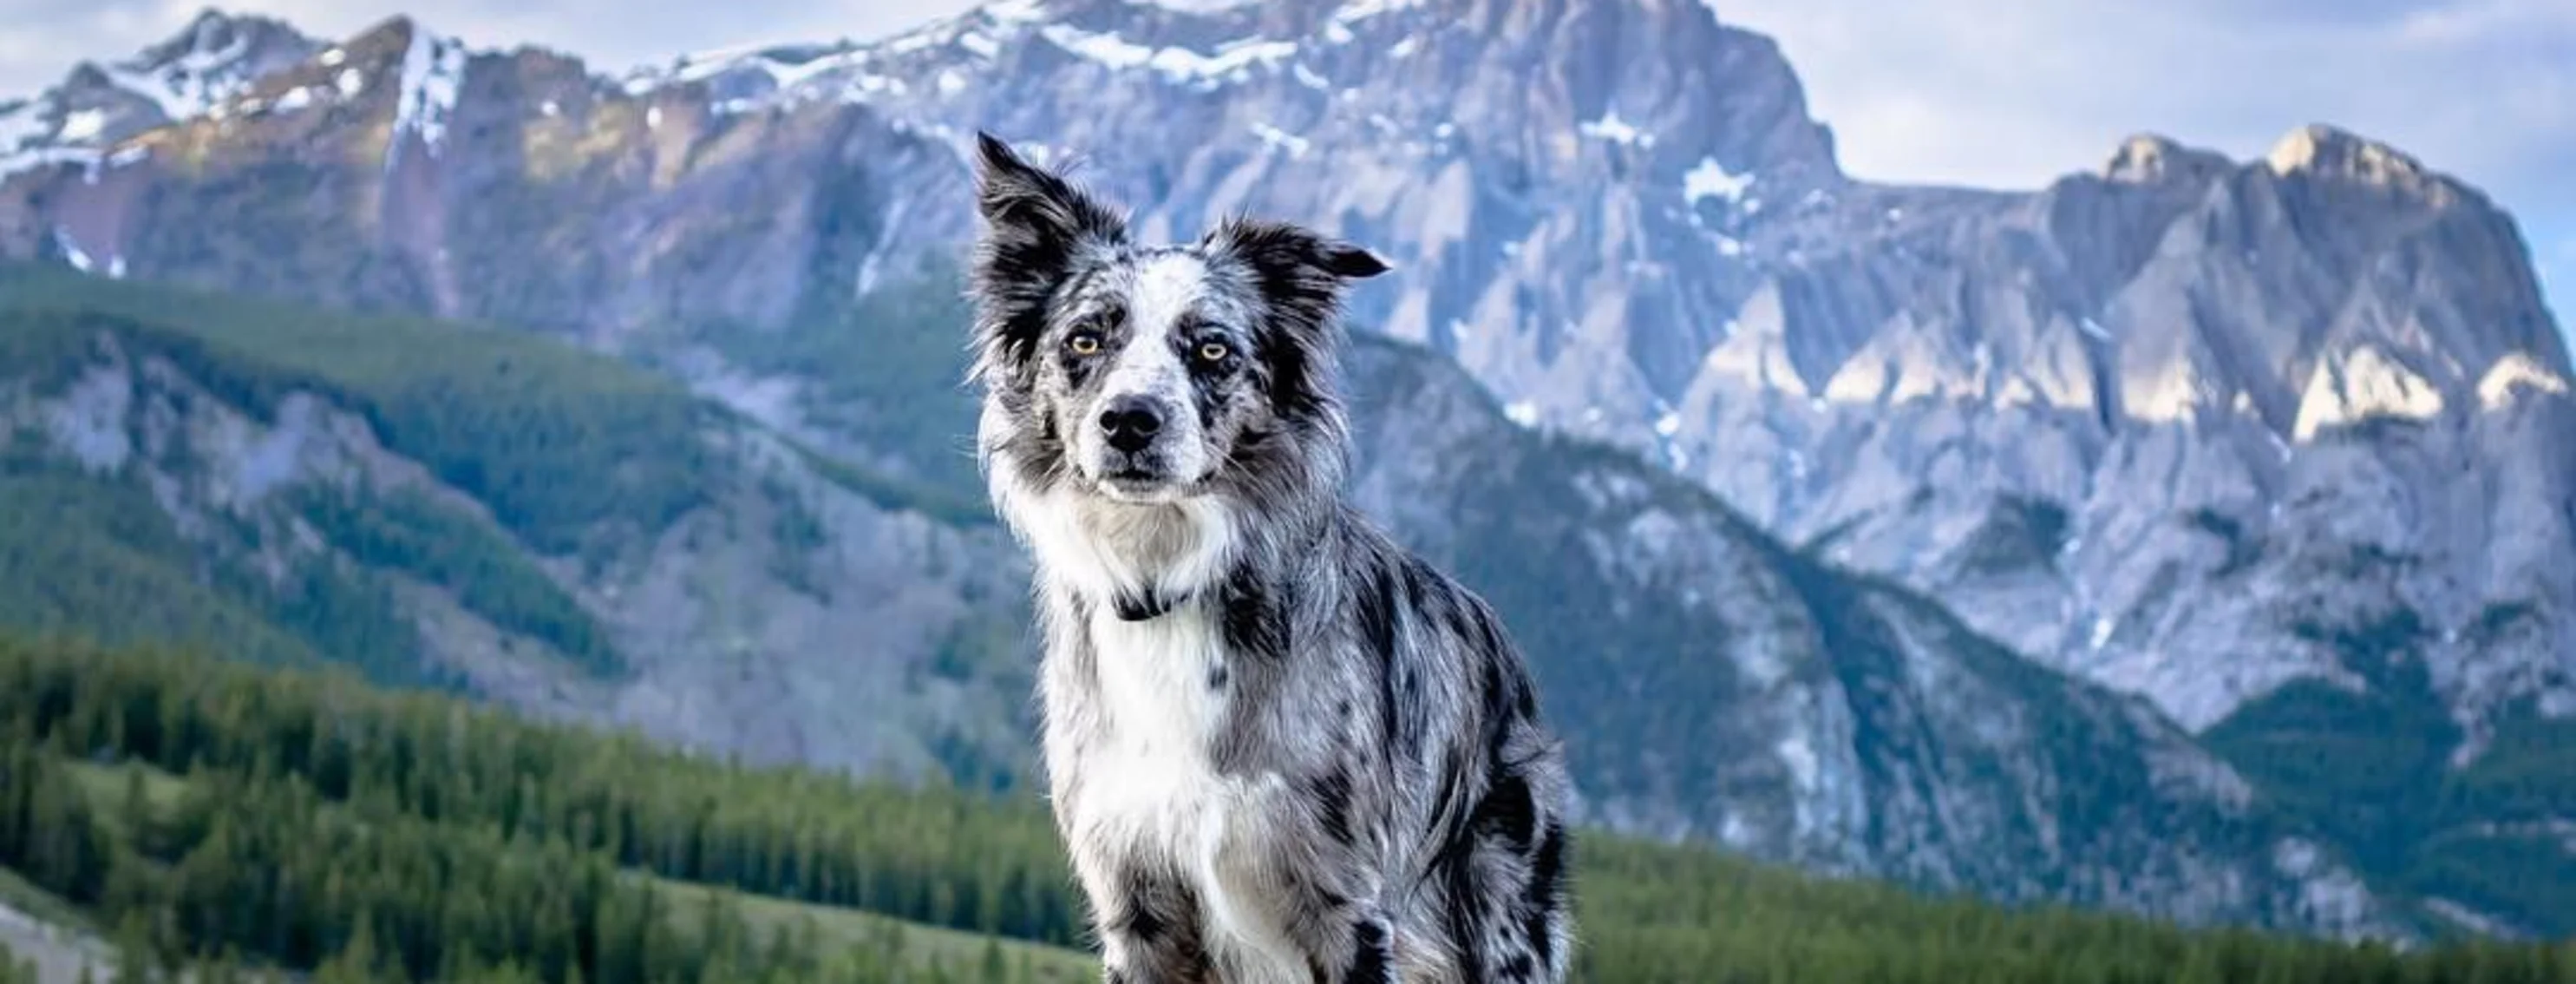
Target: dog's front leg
1335	919
1359	950
1149	928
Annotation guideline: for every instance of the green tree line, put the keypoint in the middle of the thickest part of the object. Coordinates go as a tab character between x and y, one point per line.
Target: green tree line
942	857
322	816
259	870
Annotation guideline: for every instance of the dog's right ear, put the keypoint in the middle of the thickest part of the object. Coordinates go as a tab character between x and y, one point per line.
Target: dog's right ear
1038	229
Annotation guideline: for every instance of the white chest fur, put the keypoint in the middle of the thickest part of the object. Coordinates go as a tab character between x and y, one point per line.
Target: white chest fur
1152	790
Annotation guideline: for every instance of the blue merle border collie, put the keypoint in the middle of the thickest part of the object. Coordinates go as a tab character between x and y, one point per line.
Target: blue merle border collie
1279	747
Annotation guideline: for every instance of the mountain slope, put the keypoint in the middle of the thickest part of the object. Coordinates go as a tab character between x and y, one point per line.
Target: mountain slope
454	504
1723	686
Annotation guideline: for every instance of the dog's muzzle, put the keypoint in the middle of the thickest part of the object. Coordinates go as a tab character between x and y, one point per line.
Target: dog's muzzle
1130	423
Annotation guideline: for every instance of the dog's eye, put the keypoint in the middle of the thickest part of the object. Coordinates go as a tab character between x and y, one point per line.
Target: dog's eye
1214	351
1084	343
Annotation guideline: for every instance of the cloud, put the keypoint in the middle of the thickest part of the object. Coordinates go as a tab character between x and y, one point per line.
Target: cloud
2022	91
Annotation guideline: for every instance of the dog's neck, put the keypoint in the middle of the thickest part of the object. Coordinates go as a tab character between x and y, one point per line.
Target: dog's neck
1144	562
1139	561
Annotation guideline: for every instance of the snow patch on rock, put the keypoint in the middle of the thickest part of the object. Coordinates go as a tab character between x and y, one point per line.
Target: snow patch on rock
1232	62
192	83
1278	139
82	127
1612	129
2358	385
2515	374
1710	179
433	71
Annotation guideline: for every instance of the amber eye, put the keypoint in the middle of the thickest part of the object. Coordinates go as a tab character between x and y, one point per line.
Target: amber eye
1084	343
1214	351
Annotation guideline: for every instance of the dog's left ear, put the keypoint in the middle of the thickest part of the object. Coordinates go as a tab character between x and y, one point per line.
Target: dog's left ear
1301	272
1038	227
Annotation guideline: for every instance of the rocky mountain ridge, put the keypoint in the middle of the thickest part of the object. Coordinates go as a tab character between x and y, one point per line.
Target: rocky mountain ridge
194	74
2243	439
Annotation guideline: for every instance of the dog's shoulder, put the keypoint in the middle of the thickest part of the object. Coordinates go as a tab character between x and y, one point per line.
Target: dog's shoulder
1393	581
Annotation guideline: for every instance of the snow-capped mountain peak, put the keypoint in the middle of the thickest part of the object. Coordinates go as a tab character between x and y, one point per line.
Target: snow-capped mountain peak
217	57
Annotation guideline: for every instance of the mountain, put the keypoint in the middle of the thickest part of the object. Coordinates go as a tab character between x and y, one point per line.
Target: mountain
198	73
2268	456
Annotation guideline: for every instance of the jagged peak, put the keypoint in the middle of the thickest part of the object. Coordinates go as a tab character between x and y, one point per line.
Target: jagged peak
87	75
399	27
2153	158
214	37
2325	151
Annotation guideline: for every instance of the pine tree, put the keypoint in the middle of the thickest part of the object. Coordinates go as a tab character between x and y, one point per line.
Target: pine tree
136	963
995	967
356	962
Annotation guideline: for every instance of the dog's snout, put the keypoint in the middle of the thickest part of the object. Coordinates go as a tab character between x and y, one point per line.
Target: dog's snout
1130	422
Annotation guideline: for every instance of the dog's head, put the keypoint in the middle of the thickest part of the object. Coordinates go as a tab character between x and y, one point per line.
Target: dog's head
1153	373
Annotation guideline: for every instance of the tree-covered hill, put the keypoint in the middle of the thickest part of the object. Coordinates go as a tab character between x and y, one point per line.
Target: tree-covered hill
479	509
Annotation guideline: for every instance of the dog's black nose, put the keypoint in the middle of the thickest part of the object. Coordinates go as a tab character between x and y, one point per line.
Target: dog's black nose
1130	423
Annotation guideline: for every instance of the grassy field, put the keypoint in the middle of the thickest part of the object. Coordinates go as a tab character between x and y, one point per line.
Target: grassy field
840	929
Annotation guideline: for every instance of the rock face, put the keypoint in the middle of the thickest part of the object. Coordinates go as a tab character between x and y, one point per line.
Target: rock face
1717	684
183	467
2173	425
2235	440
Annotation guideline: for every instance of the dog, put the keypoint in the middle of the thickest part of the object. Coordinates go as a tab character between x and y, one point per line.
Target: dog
1279	747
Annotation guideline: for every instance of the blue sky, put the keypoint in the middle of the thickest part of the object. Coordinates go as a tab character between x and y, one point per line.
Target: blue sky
1996	93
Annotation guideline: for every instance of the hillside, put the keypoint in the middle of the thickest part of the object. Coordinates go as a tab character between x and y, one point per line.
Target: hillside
473	508
320	823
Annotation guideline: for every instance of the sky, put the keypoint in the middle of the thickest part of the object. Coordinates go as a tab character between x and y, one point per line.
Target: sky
1989	93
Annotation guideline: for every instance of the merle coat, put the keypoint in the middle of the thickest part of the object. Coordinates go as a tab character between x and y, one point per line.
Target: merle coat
1279	747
